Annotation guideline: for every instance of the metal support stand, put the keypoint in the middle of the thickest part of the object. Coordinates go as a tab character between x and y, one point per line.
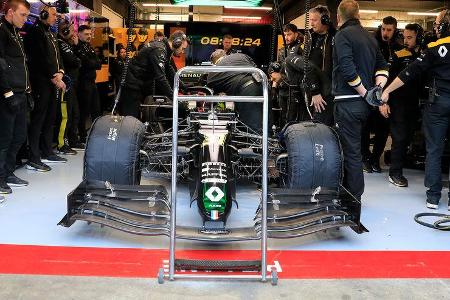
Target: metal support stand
264	99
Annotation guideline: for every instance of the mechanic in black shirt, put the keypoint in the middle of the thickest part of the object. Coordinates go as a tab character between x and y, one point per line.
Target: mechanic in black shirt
387	37
321	55
14	87
358	66
238	84
150	64
290	98
88	98
403	111
67	39
434	61
227	44
46	73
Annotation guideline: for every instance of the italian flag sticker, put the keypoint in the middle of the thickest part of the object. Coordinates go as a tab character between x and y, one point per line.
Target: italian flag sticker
214	214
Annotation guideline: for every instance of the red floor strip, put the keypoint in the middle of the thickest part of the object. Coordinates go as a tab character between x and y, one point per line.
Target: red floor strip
124	262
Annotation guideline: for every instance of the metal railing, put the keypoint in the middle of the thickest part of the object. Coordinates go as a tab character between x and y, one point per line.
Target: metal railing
264	99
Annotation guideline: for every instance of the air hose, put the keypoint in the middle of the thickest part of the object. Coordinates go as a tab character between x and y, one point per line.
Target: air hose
132	18
440	224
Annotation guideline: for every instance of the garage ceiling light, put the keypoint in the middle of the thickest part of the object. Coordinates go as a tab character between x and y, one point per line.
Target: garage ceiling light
250	8
368	11
416	13
241	17
236	3
163	5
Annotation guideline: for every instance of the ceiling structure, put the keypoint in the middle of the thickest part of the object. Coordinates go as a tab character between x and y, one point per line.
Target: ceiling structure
214	10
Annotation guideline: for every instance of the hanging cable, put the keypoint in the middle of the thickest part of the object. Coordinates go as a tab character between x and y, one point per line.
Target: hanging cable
306	53
132	18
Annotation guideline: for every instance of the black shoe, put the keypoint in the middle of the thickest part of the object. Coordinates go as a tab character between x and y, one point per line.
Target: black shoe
15	181
54	159
78	146
433	204
376	167
367	168
4	188
398	180
66	150
39	166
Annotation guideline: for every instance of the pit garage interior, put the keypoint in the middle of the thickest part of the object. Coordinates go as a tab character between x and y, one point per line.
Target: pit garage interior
396	259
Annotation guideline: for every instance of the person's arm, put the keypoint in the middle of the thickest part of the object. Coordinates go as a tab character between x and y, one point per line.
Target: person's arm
157	64
382	69
345	63
423	63
5	88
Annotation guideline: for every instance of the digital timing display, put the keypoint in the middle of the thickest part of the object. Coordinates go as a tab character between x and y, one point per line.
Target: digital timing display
242	42
251	39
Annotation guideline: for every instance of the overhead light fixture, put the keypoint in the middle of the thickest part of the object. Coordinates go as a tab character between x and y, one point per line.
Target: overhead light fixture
249	8
241	17
163	5
78	11
416	13
368	11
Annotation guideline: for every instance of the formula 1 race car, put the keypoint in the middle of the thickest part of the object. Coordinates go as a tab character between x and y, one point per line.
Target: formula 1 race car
298	170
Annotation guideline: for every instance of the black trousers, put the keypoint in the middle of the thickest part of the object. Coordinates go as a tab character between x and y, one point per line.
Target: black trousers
42	119
89	104
379	125
350	118
13	133
326	116
436	120
403	119
130	101
251	114
293	108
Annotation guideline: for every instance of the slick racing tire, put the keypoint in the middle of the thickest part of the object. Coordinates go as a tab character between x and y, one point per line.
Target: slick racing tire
112	150
314	156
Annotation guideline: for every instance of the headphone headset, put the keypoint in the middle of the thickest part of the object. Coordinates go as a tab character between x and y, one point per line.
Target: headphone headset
178	40
420	35
444	26
43	14
324	14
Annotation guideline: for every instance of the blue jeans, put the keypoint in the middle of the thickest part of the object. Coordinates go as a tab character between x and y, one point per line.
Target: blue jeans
435	125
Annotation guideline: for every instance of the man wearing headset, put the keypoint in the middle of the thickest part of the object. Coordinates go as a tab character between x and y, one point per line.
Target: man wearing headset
67	40
321	55
436	118
46	73
14	88
403	112
150	64
387	37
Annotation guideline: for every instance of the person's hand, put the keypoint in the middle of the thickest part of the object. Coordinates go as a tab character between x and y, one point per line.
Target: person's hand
58	76
61	85
385	97
318	103
275	77
75	39
13	103
385	110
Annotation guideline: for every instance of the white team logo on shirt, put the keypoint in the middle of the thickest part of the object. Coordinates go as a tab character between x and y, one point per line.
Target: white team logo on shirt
442	51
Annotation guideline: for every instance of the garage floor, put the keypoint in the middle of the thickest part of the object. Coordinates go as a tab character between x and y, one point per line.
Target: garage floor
397	259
